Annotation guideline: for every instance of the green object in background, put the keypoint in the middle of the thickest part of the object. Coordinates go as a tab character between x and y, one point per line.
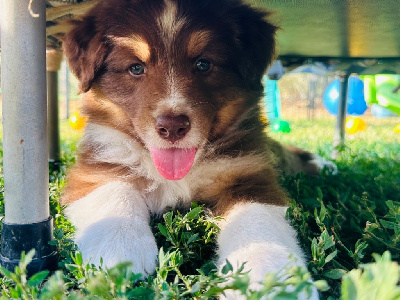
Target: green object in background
369	89
379	89
281	126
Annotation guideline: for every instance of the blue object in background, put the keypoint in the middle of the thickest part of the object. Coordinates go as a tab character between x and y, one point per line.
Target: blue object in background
276	71
356	104
272	99
381	112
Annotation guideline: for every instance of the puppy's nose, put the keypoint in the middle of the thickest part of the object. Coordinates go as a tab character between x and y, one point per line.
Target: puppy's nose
171	127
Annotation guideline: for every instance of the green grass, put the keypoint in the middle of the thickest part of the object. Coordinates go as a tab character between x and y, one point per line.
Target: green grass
348	224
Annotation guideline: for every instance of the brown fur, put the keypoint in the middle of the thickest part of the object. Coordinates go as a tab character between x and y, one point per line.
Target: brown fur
222	103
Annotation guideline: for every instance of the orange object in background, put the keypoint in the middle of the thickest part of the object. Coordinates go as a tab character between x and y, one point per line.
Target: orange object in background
355	124
77	121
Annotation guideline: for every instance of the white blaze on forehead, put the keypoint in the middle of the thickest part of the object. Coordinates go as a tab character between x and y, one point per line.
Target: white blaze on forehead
168	22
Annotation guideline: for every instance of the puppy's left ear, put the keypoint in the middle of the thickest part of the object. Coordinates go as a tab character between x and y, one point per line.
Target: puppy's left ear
85	50
257	40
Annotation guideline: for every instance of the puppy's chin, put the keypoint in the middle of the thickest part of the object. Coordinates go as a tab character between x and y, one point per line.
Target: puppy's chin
173	163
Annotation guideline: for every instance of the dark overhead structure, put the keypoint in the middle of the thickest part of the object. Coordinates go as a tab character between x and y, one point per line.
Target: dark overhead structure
326	29
318	29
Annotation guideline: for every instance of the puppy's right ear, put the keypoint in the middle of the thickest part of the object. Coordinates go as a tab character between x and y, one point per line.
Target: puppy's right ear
85	49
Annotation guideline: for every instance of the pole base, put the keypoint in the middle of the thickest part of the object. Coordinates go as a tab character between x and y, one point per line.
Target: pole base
16	238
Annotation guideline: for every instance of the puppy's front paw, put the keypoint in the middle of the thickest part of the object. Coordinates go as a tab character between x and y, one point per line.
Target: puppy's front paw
117	240
260	236
261	260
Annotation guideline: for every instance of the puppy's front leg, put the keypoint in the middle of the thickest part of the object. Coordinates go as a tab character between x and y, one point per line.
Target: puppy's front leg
258	235
112	222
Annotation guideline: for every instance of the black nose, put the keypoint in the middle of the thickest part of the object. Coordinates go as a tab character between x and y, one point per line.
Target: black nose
171	127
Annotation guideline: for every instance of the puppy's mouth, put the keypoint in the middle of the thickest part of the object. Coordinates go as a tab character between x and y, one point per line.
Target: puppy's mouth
173	163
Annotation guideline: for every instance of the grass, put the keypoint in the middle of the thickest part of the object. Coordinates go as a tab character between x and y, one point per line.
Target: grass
348	224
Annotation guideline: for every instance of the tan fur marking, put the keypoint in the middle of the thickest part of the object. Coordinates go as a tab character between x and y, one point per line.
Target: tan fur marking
135	42
84	179
225	177
246	178
102	111
197	42
226	114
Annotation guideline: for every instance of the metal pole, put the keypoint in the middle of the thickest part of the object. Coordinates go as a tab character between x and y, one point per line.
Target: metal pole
53	63
67	90
52	121
339	136
26	224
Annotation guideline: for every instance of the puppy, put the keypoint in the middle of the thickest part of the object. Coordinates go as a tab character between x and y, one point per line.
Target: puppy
172	92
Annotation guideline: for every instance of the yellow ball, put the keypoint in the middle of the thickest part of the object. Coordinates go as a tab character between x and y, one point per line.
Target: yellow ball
77	121
397	128
355	124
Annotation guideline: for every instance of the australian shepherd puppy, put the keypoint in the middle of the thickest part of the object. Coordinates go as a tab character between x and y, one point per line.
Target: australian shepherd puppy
172	92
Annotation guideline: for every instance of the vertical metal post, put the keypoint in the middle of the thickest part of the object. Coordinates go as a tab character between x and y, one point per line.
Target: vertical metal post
52	121
67	90
53	63
339	136
26	224
312	87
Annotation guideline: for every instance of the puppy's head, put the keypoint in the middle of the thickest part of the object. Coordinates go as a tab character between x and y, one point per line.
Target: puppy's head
176	73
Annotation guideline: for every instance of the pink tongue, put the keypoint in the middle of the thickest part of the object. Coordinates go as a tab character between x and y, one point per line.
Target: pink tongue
173	163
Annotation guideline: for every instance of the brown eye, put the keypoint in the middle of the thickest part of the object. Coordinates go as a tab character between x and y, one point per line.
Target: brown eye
136	69
203	65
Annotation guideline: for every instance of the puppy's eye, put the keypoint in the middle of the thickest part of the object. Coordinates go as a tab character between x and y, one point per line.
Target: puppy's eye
203	65
136	69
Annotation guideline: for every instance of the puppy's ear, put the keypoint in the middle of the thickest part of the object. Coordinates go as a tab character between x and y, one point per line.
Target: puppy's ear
257	40
85	49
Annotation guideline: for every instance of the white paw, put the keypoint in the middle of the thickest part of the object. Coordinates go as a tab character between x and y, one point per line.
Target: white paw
324	165
232	295
261	260
112	223
117	240
237	295
260	236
